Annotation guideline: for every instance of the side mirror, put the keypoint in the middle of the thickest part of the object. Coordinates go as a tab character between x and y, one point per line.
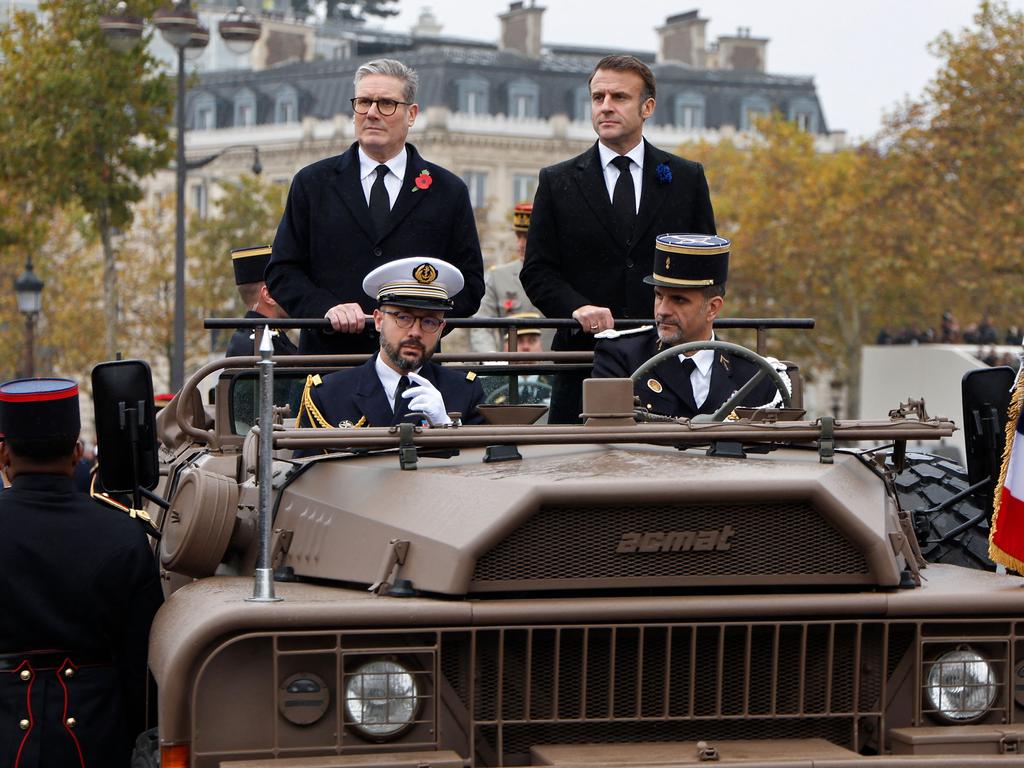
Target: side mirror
122	393
986	397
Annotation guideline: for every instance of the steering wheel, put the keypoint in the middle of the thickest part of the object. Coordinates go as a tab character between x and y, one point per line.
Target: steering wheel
765	368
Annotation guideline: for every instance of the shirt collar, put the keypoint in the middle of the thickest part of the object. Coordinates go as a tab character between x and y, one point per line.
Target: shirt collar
388	376
703	358
396	164
636	154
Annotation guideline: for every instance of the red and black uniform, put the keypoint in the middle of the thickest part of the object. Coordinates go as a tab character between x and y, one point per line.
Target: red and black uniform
80	586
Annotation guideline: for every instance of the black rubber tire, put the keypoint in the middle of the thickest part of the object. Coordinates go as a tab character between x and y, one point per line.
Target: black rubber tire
146	753
929	480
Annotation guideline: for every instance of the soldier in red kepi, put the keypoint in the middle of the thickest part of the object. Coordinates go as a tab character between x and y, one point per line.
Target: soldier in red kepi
80	588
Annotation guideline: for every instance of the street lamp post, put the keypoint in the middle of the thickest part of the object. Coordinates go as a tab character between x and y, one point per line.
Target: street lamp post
28	289
179	25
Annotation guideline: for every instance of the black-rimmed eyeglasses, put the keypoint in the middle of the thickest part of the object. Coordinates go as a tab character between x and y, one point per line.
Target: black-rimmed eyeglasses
361	105
405	321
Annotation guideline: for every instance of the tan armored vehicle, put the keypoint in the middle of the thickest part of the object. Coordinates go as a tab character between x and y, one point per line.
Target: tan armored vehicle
634	591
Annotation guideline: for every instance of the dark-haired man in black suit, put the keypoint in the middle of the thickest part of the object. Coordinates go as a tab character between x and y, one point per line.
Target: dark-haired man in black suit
688	280
377	202
595	218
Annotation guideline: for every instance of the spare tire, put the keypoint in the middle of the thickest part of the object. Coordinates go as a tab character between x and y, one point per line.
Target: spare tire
956	535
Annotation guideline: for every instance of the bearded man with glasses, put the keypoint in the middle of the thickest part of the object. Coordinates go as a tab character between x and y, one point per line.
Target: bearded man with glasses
377	202
399	384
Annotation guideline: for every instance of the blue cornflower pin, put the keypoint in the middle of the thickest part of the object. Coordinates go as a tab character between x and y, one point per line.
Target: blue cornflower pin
664	173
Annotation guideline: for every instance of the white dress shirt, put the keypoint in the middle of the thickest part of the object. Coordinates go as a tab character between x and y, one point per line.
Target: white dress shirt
700	377
393	179
611	173
389	379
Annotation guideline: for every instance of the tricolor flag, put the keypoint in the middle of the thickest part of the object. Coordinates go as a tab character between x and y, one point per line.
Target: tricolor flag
1006	540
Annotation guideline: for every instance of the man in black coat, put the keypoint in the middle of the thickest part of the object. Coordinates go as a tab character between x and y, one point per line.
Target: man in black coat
593	225
413	295
377	202
249	265
689	287
81	587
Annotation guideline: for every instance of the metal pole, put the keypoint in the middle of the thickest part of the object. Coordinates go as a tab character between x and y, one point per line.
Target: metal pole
178	359
30	340
263	588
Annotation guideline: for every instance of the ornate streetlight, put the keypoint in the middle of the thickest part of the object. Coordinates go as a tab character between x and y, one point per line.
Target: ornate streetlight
28	289
179	25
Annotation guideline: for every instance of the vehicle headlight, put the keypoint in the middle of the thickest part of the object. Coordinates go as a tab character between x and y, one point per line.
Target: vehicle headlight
381	699
961	685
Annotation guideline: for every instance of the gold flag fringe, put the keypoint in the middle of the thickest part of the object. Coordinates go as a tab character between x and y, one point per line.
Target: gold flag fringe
995	553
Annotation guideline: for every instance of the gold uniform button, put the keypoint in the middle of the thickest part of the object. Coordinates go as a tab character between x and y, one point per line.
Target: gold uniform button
71	722
25	675
24	724
69	673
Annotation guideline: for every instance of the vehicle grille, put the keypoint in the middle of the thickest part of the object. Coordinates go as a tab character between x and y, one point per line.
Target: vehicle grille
575	547
490	694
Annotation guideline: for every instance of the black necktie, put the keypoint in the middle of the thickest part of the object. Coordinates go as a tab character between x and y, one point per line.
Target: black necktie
689	366
400	402
624	197
380	204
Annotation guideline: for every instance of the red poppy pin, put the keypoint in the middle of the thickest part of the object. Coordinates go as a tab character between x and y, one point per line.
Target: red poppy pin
423	181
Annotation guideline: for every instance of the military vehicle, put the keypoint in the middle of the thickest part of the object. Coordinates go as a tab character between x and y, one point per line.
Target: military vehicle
632	591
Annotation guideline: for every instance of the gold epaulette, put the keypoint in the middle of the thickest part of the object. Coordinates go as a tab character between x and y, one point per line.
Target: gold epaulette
307	406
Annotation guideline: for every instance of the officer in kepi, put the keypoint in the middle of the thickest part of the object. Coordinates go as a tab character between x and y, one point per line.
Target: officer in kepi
689	291
249	265
80	588
399	381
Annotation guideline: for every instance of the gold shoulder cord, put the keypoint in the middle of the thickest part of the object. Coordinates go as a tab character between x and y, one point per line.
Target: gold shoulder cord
316	419
103	498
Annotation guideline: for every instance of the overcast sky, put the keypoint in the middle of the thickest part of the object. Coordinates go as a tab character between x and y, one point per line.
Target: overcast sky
865	56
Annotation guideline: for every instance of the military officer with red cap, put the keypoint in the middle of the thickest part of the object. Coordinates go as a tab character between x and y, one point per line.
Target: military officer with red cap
80	588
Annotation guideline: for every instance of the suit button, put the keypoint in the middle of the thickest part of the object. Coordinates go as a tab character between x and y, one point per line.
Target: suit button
71	722
378	252
25	675
69	673
629	263
24	724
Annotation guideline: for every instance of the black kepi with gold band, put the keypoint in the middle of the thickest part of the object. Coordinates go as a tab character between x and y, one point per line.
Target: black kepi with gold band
39	409
417	282
689	261
250	263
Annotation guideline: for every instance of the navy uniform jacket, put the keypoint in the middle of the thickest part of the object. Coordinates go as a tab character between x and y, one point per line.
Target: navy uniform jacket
241	342
575	254
356	395
618	358
326	242
80	581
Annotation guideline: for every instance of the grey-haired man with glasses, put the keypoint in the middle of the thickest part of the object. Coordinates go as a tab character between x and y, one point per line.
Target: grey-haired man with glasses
377	202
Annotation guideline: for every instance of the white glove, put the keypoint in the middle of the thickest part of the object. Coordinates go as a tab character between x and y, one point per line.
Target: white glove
425	398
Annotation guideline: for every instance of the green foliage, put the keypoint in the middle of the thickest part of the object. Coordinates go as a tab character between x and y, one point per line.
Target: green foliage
81	122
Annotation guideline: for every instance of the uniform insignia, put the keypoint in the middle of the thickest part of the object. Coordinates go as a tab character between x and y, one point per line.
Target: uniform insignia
668	262
317	381
346	424
425	273
725	363
470	376
654	385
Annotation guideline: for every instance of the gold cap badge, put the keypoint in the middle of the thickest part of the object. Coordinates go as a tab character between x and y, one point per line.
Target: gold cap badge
425	273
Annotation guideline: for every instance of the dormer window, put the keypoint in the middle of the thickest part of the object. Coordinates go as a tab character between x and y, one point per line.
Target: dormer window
245	108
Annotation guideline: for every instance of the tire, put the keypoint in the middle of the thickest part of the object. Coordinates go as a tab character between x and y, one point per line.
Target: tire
146	753
929	480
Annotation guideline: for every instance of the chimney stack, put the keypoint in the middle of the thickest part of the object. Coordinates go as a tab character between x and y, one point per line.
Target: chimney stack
681	40
520	29
742	52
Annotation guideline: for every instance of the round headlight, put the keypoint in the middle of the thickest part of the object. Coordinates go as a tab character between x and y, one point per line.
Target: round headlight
961	686
381	699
